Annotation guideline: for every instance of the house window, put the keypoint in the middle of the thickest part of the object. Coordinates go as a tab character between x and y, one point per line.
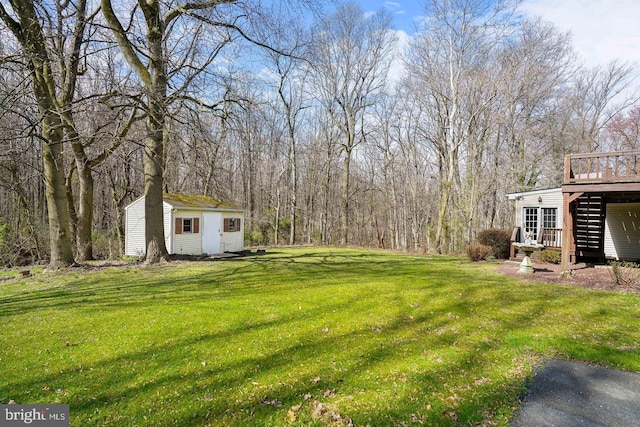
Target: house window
531	221
186	225
231	225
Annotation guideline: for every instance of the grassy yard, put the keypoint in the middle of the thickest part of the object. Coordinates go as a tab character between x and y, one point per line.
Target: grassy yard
305	336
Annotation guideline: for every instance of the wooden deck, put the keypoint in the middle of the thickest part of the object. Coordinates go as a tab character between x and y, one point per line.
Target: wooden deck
612	171
592	180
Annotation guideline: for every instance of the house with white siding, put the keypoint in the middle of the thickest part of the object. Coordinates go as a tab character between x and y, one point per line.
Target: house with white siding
539	212
193	225
601	225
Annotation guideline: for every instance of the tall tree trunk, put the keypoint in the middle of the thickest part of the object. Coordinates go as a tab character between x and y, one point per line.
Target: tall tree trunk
154	170
84	228
32	39
294	186
55	190
84	215
344	218
154	77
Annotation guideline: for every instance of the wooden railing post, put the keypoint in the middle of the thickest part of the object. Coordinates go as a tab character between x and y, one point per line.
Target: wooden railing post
567	169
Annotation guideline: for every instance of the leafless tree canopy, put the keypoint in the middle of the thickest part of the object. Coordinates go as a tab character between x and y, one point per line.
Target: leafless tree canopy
288	109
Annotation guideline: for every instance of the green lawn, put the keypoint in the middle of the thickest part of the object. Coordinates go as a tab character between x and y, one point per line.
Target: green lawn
305	336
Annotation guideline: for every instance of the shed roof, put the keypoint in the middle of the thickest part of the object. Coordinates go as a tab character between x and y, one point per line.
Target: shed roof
197	202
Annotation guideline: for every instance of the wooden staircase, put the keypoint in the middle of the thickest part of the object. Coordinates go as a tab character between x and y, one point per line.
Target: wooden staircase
589	226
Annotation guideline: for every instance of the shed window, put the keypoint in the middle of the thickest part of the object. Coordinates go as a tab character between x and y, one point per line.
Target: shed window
187	225
231	224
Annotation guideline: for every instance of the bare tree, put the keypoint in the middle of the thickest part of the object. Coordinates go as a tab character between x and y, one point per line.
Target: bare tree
599	94
289	83
166	50
623	131
149	60
53	99
351	59
450	63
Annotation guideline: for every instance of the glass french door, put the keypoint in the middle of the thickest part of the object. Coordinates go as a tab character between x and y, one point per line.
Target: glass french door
534	216
531	222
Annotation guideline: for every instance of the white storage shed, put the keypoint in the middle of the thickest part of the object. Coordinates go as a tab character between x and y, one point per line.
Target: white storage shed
193	225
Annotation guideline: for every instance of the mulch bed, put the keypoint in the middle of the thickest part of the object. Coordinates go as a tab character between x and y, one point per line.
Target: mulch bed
585	275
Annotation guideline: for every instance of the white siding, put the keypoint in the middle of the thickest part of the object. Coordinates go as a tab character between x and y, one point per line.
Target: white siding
167	220
622	231
233	241
551	198
187	243
134	229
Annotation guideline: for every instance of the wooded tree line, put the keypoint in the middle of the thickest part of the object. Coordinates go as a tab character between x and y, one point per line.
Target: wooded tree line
324	125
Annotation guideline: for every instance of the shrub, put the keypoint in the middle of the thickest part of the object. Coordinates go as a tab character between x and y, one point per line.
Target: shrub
4	237
548	256
478	252
498	239
625	274
105	245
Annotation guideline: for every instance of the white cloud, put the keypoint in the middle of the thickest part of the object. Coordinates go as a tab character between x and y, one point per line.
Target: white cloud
368	14
394	7
396	69
602	30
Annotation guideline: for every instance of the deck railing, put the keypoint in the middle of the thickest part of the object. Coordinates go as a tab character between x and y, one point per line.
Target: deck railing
616	166
550	237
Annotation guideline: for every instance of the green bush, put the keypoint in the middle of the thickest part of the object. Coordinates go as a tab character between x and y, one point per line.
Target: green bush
548	256
478	252
498	239
625	274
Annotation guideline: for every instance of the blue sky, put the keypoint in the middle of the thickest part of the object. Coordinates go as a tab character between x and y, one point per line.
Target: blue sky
404	13
602	30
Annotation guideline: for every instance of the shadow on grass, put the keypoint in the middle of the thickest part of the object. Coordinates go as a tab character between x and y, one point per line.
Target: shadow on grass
340	361
455	349
122	286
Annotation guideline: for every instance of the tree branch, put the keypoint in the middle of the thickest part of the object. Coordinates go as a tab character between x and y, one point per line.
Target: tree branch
124	43
183	9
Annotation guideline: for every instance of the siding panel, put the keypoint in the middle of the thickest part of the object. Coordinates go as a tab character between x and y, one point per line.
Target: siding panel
622	231
167	222
187	243
134	229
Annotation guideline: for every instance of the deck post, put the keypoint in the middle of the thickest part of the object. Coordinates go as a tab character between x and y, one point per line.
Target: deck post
568	243
567	231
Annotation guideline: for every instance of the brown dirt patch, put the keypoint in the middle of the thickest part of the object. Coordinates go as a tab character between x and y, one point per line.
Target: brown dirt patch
584	275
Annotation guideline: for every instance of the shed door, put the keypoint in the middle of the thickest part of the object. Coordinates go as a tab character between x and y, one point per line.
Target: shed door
211	232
